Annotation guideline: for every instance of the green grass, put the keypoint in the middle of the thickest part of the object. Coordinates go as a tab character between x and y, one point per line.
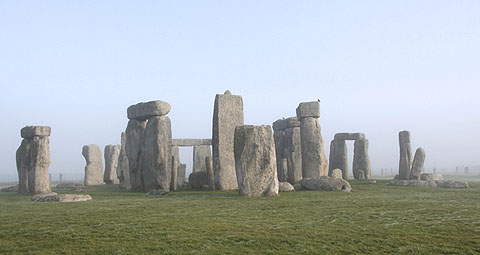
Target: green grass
373	219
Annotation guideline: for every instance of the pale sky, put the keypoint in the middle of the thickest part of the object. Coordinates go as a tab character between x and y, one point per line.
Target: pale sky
378	67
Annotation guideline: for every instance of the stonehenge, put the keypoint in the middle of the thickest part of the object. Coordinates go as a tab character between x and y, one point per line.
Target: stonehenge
314	161
182	170
33	160
361	160
255	161
94	165
417	165
288	149
407	169
111	155
210	173
339	157
123	173
227	114
200	153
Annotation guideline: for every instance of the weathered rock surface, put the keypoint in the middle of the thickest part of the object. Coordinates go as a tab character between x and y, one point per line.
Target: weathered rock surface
133	148
65	198
314	161
349	136
255	162
405	163
123	173
413	183
417	166
198	179
210	173
191	142
45	197
361	160
182	169
308	110
94	167
361	175
227	114
23	165
288	147
431	177
452	184
285	187
298	187
174	174
337	173
283	124
338	158
200	152
156	154
31	131
326	183
69	185
10	189
111	153
143	111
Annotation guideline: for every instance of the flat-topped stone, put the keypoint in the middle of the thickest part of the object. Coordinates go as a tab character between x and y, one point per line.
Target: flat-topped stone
349	136
283	124
31	131
308	109
143	111
191	142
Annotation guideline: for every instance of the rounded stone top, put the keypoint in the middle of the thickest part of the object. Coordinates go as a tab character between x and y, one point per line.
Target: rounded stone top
31	131
227	92
143	111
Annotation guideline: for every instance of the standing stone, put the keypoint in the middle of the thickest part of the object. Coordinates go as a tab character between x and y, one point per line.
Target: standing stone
227	114
338	158
360	175
279	136
156	154
255	161
94	167
284	167
293	150
314	161
176	156
405	155
123	173
133	147
200	152
111	153
361	160
174	182
417	166
337	173
210	173
22	157
182	169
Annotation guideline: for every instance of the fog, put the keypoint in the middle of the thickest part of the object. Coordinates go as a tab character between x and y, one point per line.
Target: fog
377	67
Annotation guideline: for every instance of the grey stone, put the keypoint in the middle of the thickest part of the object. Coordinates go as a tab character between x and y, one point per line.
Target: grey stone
338	158
308	110
33	160
174	174
360	175
200	152
282	175
431	177
293	153
298	187
22	159
452	184
210	173
176	157
405	163
69	185
68	198
314	161
255	161
337	173
417	165
280	142
182	169
143	111
111	153
156	154
31	131
10	189
94	165
361	160
198	179
46	197
285	187
133	148
283	124
157	192
413	183
191	142
349	136
326	183
123	173
227	114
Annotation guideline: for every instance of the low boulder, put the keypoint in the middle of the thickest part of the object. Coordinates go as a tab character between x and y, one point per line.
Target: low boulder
10	189
452	184
198	179
431	177
326	183
298	186
285	186
337	173
413	183
68	185
64	198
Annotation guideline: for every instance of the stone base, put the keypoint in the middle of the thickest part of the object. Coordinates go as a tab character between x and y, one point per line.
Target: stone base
430	184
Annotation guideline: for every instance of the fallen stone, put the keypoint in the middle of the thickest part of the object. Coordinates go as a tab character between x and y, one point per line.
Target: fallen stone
198	179
326	183
94	165
31	131
143	111
452	184
308	110
413	183
46	197
431	177
337	173
417	165
68	198
68	185
349	136
285	187
10	189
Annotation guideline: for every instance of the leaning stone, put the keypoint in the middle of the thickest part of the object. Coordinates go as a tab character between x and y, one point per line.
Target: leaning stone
198	179
31	131
255	161
94	165
349	136
10	189
46	197
337	173
144	111
308	109
417	166
326	183
111	153
452	184
68	198
133	147
405	155
431	177
285	186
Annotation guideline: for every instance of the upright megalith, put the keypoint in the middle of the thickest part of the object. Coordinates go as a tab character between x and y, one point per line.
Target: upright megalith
361	160
314	161
133	147
405	163
227	114
33	160
123	173
288	147
255	162
417	166
182	170
94	166
174	174
111	153
200	152
210	173
338	158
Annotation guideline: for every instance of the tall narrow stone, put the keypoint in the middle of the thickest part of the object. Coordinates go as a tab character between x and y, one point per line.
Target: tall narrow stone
338	158
210	173
284	167
176	156
279	136
227	114
23	166
417	166
255	161
361	160
405	163
182	169
156	154
133	147
94	167
174	182
200	152
123	173
314	161
111	153
293	152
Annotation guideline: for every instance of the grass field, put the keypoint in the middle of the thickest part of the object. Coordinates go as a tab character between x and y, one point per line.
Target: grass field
373	219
